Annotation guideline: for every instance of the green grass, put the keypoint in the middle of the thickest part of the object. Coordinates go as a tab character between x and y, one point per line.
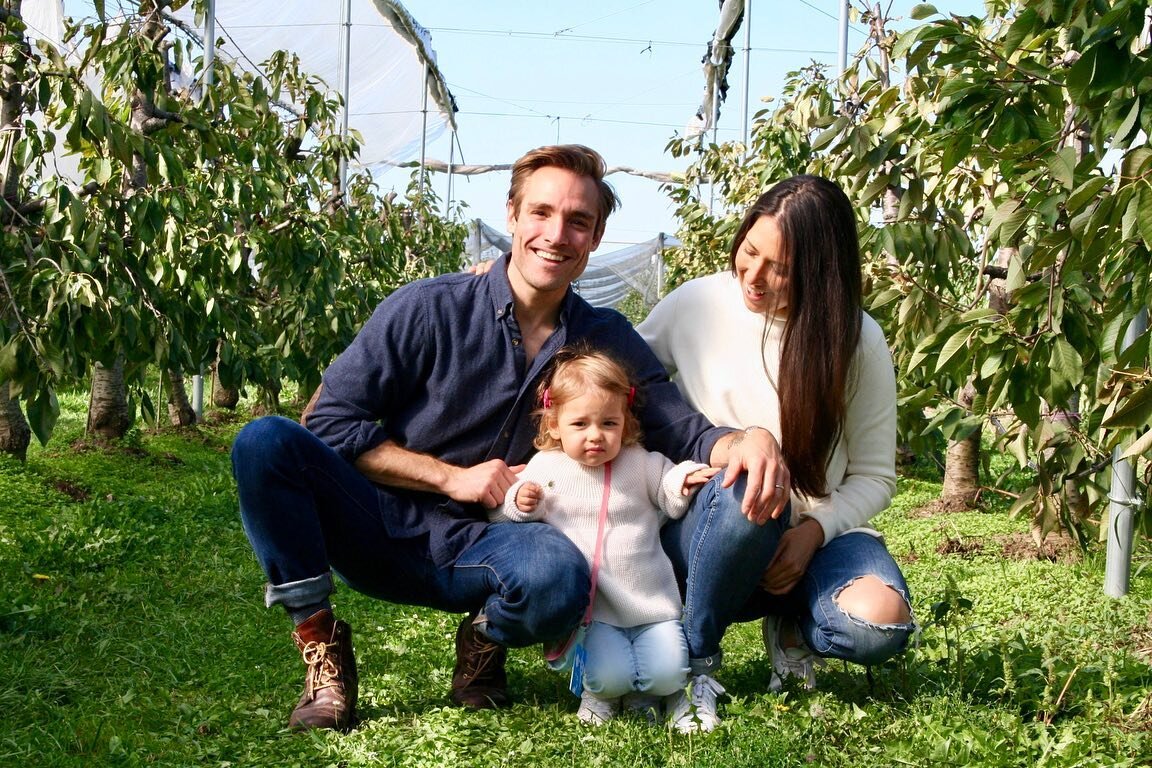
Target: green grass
133	633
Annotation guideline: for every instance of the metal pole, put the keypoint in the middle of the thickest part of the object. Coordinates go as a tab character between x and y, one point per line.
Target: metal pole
209	44
198	396
1122	498
843	50
747	71
424	127
451	163
345	79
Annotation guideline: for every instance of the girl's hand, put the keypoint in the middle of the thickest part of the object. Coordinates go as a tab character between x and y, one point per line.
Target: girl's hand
528	496
698	478
793	554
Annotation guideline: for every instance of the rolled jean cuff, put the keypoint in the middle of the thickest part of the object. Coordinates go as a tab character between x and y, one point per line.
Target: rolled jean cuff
297	594
706	665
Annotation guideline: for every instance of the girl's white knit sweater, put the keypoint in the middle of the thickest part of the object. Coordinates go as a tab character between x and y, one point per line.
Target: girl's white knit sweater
636	584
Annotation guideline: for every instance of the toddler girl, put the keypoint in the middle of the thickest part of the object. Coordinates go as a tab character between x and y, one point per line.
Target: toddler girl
590	457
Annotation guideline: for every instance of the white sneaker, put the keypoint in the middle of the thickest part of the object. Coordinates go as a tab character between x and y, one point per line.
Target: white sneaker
798	661
646	705
694	710
595	710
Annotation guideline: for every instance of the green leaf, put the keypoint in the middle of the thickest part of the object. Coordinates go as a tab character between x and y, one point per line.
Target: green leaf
955	343
8	362
1144	216
1136	411
923	11
1139	447
830	133
1134	164
1129	122
43	411
1085	193
1066	362
1007	221
1062	166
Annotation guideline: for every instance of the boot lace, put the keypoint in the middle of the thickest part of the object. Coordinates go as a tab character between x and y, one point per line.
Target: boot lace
322	669
479	657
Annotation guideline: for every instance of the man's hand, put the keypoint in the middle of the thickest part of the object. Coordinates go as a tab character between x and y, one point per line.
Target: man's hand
484	484
793	554
528	497
756	452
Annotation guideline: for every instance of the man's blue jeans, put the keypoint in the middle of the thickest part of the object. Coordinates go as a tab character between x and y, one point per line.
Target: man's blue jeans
308	512
719	557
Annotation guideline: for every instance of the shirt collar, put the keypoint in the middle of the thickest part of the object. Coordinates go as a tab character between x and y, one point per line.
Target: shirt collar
501	291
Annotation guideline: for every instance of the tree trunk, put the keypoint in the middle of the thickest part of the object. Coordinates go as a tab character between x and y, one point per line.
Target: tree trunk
108	414
225	397
180	411
267	401
15	434
962	466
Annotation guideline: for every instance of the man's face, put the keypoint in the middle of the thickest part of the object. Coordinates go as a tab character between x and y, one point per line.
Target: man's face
554	230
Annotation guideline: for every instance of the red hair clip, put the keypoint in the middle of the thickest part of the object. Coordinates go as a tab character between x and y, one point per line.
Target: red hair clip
631	396
546	398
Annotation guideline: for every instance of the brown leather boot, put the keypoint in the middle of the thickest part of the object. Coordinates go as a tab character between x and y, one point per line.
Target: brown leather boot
479	680
329	698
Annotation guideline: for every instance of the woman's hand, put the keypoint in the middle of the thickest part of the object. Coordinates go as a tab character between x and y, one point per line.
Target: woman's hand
793	554
769	487
481	267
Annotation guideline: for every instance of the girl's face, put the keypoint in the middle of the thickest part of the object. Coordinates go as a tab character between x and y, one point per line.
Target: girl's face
590	428
762	268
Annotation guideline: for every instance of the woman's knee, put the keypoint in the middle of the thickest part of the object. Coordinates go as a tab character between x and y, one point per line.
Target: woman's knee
878	620
870	600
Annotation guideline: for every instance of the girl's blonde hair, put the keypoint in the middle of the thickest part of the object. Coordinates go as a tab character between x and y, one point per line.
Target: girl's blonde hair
575	370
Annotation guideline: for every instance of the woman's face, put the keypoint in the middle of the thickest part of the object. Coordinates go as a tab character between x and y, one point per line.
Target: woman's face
762	268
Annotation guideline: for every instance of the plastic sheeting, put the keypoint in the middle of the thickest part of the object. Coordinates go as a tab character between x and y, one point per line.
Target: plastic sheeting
389	52
390	55
608	278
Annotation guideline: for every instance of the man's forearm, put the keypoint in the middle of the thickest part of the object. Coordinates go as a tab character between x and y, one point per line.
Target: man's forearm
393	465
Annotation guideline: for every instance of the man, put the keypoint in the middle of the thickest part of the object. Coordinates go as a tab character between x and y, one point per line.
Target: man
424	421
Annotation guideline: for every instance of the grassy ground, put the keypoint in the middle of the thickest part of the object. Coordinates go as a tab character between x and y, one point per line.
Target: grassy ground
132	632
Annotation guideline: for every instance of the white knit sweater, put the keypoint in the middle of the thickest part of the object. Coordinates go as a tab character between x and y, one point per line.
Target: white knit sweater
711	345
636	584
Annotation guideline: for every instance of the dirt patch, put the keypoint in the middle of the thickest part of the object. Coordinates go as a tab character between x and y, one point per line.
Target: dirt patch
961	547
72	490
1056	548
943	507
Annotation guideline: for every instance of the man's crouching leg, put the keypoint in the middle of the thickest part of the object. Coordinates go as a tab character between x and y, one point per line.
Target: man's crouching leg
536	583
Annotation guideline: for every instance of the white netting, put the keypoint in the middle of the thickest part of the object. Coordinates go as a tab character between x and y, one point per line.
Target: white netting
609	277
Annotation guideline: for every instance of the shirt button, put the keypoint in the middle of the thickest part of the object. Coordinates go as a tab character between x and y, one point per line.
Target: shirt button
515	342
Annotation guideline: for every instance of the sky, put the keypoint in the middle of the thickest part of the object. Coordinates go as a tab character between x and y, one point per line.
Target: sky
621	76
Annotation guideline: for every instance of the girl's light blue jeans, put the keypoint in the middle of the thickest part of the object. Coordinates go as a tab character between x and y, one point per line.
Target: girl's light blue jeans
650	658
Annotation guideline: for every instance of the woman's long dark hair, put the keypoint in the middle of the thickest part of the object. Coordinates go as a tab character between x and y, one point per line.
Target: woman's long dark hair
818	233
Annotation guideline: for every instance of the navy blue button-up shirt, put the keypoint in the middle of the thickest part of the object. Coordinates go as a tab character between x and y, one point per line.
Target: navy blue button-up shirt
440	369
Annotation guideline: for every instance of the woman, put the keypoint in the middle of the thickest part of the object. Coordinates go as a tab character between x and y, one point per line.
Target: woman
781	341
